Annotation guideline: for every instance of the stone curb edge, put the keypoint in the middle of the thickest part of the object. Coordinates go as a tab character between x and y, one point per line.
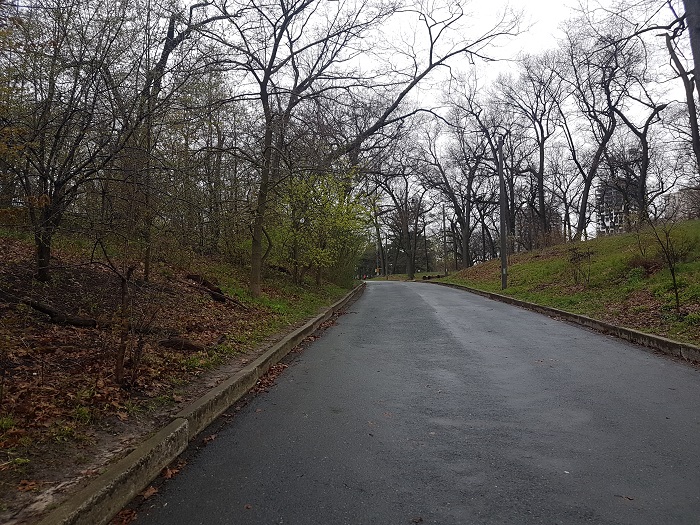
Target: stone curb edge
666	346
97	503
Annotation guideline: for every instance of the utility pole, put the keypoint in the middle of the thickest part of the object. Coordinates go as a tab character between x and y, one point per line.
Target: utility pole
504	222
378	258
444	239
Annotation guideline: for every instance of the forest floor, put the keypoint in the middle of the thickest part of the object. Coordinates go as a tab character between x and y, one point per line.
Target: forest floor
63	415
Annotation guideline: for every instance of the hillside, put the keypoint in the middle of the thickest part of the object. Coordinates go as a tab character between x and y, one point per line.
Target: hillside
622	279
85	373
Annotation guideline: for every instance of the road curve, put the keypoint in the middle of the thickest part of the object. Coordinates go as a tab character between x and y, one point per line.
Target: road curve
426	404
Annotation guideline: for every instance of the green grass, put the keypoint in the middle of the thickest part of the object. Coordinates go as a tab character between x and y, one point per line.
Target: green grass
6	423
605	275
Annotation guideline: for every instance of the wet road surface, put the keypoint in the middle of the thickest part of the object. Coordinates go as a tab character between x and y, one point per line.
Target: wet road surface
426	404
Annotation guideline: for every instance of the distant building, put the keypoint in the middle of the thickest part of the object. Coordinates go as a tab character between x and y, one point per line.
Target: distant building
614	207
683	204
617	196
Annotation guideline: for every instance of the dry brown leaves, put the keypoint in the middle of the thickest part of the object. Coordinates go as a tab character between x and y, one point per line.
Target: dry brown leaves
59	384
268	380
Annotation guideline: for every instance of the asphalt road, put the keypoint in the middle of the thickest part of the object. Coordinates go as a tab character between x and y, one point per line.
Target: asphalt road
426	404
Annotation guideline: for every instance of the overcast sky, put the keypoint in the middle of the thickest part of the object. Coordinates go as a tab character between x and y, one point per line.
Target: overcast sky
540	22
542	17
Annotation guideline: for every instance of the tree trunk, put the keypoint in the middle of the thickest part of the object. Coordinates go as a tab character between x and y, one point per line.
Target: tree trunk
409	251
43	255
45	225
588	181
256	255
692	13
544	240
410	270
583	210
689	87
396	259
464	244
256	252
380	248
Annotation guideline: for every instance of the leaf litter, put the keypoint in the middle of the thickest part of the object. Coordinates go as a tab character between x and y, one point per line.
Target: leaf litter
63	417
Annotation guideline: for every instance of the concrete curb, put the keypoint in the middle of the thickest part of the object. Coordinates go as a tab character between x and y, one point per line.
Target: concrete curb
667	346
97	503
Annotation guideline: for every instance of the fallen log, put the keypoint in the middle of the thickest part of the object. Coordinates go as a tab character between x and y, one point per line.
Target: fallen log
214	291
60	317
182	344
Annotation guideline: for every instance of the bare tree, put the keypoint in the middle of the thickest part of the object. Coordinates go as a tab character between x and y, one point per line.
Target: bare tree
307	49
66	129
565	185
399	182
692	15
72	118
454	175
689	86
589	67
536	94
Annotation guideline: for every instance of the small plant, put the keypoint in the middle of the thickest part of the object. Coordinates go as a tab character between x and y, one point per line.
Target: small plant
161	401
673	246
132	408
580	261
15	464
63	432
193	362
636	275
82	415
693	319
227	349
6	423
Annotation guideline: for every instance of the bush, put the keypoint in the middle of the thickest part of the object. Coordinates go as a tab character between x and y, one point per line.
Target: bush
648	264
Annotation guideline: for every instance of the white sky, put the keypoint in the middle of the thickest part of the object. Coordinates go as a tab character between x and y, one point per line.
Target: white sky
539	27
543	18
539	31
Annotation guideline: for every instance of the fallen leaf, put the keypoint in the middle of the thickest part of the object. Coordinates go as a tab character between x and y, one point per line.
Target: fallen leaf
248	506
169	473
149	492
123	416
26	486
124	517
209	439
